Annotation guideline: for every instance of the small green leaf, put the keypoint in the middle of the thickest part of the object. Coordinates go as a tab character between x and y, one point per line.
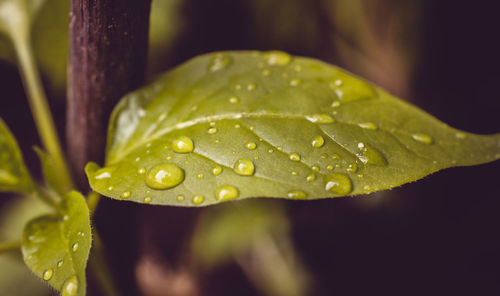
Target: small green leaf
271	125
13	173
56	247
51	173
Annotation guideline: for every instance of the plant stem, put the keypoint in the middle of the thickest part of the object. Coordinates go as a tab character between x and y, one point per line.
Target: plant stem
7	247
99	266
92	201
38	104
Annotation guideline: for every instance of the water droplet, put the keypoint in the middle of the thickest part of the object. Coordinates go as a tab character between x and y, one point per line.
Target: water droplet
338	82
200	176
311	178
216	170
270	150
320	118
226	192
293	173
266	72
318	141
60	263
219	61
180	197
251	87
367	125
251	128
422	138
183	145
237	126
294	156
352	168
279	148
335	156
198	199
212	123
74	247
164	176
251	145
125	194
244	167
169	157
329	167
237	86
336	104
141	171
70	286
370	156
234	100
297	194
277	58
147	199
460	135
256	157
324	155
102	174
47	275
338	183
212	130
366	188
81	234
295	82
315	168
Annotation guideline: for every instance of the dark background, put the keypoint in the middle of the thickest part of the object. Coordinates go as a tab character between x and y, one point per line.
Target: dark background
437	236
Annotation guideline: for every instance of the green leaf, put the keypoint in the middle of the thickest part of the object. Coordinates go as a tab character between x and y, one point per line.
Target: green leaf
56	247
51	173
13	173
271	125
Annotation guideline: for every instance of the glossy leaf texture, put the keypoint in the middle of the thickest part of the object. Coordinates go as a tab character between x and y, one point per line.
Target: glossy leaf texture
13	173
56	247
235	125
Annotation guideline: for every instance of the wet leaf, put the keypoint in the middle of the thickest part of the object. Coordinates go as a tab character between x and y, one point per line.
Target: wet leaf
13	173
235	125
56	247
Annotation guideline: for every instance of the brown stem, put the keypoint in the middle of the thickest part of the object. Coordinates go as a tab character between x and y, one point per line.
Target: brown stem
108	50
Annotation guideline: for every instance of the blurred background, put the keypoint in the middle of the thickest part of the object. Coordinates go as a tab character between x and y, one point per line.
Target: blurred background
437	236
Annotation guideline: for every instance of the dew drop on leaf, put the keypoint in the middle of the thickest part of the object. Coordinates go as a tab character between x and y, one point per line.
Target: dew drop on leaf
370	156
368	125
320	118
70	286
315	168
216	170
47	275
234	100
294	156
295	82
226	192
219	61
147	199
244	167
74	247
422	138
329	167
297	194
318	141
212	130
251	145
141	171
352	168
310	178
125	194
102	174
338	183
180	197
251	87
60	263
198	199
164	176
183	145
277	58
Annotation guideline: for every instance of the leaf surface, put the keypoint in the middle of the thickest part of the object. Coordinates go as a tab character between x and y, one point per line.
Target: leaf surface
56	247
13	173
235	125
